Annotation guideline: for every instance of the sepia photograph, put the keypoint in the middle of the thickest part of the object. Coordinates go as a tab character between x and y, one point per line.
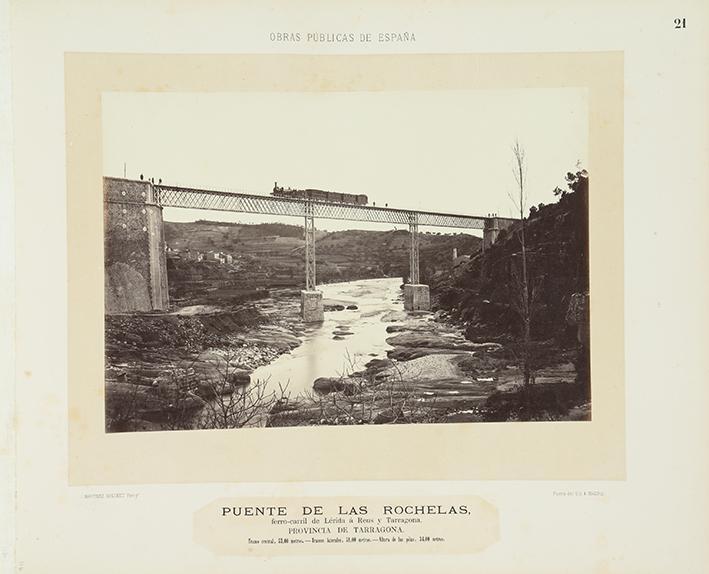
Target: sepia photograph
345	258
296	287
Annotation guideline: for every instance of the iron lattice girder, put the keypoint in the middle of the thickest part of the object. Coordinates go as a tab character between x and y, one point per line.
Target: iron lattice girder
310	279
172	196
414	249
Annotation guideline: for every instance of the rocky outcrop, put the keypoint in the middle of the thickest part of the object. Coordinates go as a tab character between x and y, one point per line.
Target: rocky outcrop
437	341
577	315
129	405
481	292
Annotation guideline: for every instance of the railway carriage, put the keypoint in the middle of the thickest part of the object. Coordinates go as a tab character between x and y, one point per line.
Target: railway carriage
320	195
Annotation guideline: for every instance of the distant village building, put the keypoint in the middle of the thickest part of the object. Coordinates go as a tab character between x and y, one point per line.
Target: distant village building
221	257
218	256
173	253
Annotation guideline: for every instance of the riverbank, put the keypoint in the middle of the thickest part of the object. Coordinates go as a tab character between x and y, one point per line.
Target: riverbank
433	374
156	363
364	365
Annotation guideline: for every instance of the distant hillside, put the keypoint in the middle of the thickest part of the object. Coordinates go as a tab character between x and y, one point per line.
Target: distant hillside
272	255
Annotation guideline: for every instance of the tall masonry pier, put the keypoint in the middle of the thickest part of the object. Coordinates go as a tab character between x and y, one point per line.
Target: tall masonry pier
134	250
493	226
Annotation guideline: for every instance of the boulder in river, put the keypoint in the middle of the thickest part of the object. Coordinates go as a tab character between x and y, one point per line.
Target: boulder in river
211	389
240	377
327	385
394	316
377	365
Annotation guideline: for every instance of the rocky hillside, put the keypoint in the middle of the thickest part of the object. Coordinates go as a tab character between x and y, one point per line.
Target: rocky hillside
270	256
480	291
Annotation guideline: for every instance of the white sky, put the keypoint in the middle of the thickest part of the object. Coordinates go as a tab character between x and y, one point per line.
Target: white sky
436	151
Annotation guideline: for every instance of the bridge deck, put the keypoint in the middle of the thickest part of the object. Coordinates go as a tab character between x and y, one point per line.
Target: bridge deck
172	196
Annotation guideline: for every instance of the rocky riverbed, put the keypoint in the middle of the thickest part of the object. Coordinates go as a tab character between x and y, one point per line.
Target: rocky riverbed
163	370
434	374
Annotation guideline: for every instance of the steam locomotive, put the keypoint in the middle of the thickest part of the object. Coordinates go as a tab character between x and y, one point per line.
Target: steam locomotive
319	195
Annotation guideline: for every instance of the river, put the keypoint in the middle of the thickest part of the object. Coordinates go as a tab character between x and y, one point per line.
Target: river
345	341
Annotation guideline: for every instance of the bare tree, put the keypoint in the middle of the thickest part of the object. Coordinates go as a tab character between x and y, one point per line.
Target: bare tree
180	388
227	404
524	298
249	405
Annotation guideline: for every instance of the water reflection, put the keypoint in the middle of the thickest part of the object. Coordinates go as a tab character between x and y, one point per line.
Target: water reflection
346	339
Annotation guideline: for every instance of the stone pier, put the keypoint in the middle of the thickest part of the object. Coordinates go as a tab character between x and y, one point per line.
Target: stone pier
417	297
493	226
311	306
135	267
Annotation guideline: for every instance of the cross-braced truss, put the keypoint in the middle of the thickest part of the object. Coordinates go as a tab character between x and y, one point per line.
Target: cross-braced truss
171	196
309	249
193	198
414	251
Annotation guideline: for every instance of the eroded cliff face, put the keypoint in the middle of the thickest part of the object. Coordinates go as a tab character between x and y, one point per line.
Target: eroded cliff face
480	291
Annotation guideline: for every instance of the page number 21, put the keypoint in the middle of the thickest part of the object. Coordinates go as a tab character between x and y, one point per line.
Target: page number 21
680	23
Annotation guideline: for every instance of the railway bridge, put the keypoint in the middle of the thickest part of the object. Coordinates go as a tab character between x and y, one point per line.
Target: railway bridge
136	270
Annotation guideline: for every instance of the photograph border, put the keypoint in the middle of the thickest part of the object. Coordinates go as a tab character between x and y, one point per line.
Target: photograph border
579	450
